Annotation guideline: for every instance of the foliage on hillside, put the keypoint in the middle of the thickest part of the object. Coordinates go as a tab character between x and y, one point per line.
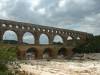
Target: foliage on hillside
7	54
93	46
11	42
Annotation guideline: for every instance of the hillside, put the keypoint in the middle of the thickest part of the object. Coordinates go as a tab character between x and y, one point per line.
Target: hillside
93	46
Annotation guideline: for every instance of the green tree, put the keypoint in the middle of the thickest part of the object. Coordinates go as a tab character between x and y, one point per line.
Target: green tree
6	55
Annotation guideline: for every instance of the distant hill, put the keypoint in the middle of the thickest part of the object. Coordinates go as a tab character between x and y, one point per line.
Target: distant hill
11	42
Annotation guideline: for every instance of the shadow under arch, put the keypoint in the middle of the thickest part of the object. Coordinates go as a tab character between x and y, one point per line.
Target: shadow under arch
62	53
31	53
47	53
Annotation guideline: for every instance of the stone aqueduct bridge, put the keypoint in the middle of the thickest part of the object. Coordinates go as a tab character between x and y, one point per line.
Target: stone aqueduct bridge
42	51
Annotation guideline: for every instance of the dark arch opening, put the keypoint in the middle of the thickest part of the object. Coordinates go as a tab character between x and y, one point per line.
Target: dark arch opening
43	39
62	53
31	53
74	50
47	53
10	36
28	38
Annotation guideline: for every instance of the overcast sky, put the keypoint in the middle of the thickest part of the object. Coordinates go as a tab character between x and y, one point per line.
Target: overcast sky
83	15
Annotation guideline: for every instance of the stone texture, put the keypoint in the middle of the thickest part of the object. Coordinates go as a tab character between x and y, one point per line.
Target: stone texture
20	28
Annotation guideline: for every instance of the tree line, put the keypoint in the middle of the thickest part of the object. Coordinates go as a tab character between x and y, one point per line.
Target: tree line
92	46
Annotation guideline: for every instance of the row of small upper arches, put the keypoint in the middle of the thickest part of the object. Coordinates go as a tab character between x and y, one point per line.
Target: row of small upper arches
39	29
30	39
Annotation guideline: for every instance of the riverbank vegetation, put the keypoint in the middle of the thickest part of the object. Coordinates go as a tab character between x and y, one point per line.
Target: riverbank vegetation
7	55
92	46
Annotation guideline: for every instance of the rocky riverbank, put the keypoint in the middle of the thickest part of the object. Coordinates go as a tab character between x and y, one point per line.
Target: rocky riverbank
86	66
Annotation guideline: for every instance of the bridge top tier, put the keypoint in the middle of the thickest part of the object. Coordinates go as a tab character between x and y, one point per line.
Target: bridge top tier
28	26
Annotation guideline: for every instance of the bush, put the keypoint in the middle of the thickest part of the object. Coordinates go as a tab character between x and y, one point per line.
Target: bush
6	55
3	67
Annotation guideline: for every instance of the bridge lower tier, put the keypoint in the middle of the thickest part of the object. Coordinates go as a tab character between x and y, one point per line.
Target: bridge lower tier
41	51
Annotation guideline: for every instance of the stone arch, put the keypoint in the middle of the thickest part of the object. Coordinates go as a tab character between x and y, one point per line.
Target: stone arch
78	38
10	35
62	52
58	39
69	38
31	53
28	38
44	39
47	53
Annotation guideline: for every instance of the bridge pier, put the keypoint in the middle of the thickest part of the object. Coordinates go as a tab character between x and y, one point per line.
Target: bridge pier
36	35
74	41
36	41
51	40
1	35
20	36
65	41
69	52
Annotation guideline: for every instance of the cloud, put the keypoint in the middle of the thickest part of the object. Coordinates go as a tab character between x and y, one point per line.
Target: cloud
70	14
91	24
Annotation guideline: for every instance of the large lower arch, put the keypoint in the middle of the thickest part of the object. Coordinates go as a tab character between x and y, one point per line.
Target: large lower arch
47	53
10	36
28	38
58	39
31	53
62	53
43	39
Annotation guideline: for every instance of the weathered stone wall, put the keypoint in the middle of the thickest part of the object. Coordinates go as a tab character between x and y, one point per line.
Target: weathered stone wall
20	28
